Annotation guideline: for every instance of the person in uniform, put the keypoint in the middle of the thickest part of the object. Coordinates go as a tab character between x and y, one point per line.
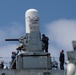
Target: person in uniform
2	64
45	43
62	60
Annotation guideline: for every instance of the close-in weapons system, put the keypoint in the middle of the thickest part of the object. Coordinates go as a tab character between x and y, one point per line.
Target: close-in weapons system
34	61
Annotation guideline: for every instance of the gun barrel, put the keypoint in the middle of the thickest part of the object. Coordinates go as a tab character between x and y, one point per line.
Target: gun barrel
11	39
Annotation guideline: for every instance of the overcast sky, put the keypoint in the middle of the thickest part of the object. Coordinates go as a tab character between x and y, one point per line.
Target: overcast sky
57	21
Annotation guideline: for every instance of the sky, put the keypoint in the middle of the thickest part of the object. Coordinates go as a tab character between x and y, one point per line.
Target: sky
57	21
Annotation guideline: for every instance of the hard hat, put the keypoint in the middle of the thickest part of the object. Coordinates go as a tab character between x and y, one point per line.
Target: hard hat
13	52
19	45
43	35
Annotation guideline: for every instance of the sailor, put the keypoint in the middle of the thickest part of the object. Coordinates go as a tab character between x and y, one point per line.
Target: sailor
2	64
20	47
13	63
45	43
62	60
13	56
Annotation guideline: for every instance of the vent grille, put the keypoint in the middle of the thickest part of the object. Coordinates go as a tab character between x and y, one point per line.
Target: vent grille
46	73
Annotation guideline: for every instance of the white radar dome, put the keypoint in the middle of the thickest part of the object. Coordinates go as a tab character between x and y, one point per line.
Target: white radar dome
31	10
31	13
31	17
